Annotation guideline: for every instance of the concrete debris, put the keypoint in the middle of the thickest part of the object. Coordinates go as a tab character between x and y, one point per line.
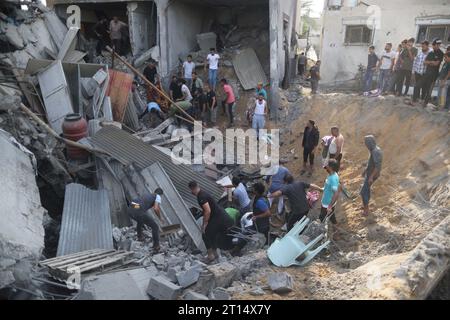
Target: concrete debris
220	294
8	102
190	276
113	286
6	278
192	295
280	282
21	230
159	259
161	288
207	41
152	53
257	292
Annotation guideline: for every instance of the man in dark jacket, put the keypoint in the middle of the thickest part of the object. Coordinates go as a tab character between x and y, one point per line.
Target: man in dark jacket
372	172
309	144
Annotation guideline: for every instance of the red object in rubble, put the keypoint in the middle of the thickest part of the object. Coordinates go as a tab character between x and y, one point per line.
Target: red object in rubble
75	128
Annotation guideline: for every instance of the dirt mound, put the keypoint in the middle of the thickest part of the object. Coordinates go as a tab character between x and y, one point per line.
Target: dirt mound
411	197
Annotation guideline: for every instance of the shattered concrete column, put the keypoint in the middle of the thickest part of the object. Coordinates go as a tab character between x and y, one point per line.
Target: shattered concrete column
163	40
274	71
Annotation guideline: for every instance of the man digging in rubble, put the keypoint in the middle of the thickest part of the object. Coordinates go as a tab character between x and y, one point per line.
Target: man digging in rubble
216	222
295	191
372	172
138	211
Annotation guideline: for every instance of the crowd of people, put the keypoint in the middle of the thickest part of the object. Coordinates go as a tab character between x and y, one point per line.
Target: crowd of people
408	66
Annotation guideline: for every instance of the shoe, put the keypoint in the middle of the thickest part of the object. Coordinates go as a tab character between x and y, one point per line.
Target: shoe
156	249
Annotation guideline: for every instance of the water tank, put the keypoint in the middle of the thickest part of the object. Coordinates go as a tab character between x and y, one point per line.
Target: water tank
75	128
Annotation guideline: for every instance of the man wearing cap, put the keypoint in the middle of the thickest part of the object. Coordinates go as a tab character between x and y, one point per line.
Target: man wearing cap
433	62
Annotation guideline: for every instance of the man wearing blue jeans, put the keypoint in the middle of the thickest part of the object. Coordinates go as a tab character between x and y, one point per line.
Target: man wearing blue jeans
371	68
213	61
386	66
372	172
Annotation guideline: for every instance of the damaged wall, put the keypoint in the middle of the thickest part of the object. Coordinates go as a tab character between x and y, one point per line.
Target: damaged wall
397	20
21	213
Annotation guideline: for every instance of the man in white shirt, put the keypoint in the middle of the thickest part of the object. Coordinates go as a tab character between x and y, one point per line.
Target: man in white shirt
213	61
259	116
187	96
385	66
188	68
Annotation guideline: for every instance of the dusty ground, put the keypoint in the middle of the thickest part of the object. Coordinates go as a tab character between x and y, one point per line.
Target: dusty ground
410	198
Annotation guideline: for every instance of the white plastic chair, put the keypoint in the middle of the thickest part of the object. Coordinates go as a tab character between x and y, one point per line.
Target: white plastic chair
285	252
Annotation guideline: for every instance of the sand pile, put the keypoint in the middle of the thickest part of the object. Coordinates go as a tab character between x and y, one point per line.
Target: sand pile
409	200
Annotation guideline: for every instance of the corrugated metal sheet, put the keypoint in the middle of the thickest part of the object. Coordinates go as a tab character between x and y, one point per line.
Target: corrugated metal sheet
131	117
248	69
86	221
130	150
172	204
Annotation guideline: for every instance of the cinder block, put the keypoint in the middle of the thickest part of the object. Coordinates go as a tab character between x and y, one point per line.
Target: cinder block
192	295
161	288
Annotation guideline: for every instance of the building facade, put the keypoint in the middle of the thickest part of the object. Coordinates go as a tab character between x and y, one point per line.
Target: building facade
350	27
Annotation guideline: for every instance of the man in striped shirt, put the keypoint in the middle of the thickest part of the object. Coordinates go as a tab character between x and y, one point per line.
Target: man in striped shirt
419	69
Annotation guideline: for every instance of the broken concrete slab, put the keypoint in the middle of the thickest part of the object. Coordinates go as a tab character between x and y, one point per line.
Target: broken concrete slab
172	273
161	288
56	28
207	41
113	286
152	53
190	276
248	69
224	273
159	259
21	230
69	43
192	295
8	102
280	282
257	292
6	278
220	294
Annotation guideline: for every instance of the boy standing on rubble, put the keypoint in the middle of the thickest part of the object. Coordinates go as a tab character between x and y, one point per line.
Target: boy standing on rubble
216	222
138	211
315	77
310	142
372	172
296	193
188	68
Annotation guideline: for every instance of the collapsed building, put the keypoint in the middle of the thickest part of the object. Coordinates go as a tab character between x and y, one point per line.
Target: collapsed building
65	233
177	28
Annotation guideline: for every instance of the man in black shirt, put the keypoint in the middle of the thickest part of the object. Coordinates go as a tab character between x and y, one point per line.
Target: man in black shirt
372	61
175	89
296	194
101	31
309	144
150	72
216	222
138	211
433	62
212	104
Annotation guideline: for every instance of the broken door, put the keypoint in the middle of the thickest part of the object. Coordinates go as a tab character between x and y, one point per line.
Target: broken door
142	25
56	95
